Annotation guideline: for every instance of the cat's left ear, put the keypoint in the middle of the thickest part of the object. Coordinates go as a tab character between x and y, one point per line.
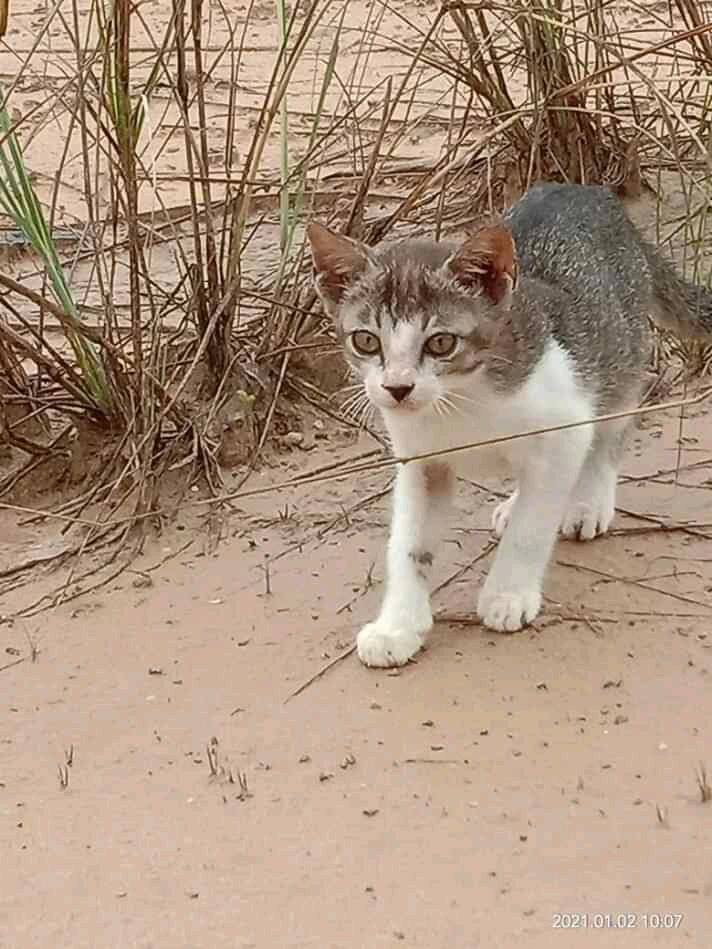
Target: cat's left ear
338	263
487	262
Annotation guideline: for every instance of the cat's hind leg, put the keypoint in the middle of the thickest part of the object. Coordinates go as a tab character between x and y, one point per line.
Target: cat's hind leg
593	501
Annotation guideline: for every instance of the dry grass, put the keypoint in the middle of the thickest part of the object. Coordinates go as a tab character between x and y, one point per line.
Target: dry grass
703	784
201	315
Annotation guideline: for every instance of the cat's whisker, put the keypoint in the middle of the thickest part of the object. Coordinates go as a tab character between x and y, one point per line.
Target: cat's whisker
358	407
355	402
348	392
462	397
349	407
364	413
445	407
360	417
448	405
367	415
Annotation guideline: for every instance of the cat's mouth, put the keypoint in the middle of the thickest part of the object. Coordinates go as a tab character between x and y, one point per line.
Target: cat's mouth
407	408
404	407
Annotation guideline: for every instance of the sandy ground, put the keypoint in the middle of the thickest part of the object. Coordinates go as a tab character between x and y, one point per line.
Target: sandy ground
462	801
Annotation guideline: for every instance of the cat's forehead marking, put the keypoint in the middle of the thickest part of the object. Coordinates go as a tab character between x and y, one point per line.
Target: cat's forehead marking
407	291
396	293
409	284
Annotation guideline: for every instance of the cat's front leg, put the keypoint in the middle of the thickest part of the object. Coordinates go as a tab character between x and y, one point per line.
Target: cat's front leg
421	497
511	596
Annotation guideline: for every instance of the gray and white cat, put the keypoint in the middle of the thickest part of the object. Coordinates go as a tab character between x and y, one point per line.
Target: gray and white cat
538	321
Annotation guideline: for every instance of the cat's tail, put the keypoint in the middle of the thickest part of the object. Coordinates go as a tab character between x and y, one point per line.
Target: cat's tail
680	305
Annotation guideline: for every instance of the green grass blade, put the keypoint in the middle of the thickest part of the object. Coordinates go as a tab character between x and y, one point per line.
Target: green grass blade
19	201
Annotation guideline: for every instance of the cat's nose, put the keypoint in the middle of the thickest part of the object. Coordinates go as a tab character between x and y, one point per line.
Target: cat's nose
399	392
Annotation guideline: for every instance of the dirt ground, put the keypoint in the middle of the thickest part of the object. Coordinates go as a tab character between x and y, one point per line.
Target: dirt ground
462	801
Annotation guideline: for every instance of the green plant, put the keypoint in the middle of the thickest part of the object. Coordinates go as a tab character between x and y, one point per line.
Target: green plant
19	201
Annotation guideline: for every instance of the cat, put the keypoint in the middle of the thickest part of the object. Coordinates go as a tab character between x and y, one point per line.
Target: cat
539	320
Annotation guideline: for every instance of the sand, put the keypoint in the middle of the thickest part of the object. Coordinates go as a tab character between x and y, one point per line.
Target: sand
462	801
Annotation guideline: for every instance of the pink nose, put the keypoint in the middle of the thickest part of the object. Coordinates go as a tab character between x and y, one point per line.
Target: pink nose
399	392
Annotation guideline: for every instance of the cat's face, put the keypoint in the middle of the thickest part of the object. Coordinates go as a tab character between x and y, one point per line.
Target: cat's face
416	319
411	338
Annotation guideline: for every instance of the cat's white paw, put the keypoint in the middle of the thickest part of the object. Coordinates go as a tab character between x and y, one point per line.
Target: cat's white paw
501	515
508	612
382	644
585	520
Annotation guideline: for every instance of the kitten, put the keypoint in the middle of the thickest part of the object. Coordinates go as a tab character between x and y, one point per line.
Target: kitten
538	321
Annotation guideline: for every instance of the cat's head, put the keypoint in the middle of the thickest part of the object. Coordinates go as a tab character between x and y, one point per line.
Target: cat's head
416	319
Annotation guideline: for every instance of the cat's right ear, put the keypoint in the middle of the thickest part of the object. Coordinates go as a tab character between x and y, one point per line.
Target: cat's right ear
338	262
486	262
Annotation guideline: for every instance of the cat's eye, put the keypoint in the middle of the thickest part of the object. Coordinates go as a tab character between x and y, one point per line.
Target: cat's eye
365	343
442	344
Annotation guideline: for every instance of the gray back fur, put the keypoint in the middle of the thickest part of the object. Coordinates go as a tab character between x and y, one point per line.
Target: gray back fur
579	241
